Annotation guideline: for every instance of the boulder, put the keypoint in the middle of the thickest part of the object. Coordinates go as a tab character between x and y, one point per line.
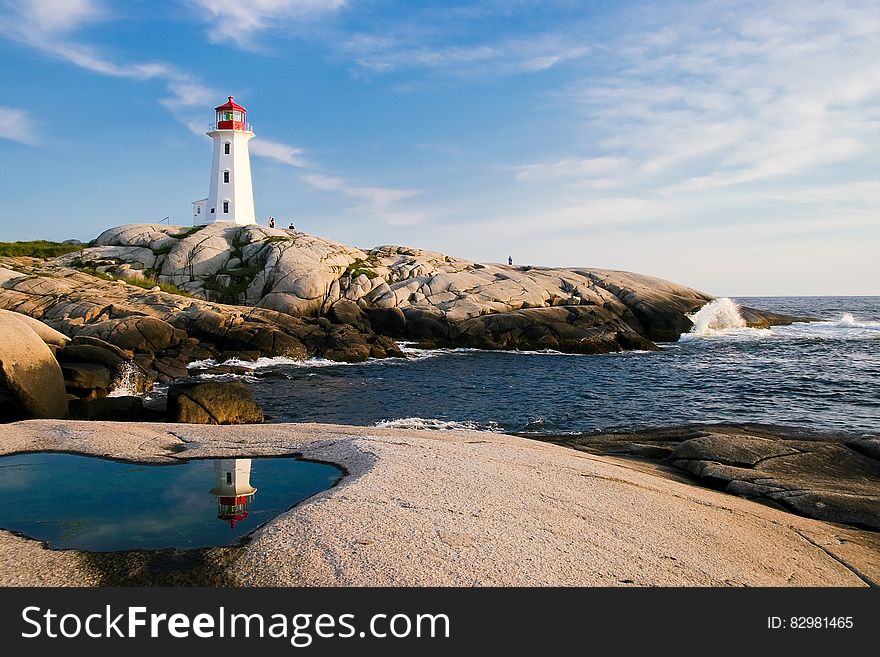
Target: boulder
348	312
114	409
86	376
85	353
170	368
47	334
31	383
387	321
212	402
92	341
816	476
425	325
138	333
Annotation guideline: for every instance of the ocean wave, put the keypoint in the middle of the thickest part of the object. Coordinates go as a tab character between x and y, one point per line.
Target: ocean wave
437	425
415	353
721	319
717	317
274	361
227	376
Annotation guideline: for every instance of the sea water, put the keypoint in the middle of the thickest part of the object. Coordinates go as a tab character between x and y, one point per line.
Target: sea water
822	375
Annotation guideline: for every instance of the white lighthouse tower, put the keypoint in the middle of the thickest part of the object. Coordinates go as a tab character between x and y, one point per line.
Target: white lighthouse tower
233	489
231	194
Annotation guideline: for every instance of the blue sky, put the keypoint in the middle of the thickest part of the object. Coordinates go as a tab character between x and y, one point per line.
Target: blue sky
731	146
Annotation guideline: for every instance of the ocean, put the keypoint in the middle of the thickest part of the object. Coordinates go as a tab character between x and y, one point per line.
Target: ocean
822	376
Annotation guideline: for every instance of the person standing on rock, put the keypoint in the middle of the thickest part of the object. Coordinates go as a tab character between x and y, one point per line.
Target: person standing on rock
291	226
509	260
271	222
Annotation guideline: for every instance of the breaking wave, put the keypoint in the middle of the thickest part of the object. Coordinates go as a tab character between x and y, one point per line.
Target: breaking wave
436	425
719	315
127	383
265	361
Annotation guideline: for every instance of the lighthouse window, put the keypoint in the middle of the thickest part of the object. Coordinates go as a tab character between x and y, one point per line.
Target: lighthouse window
225	207
226	176
226	147
228	477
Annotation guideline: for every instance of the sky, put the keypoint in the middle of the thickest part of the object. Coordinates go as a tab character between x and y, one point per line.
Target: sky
729	146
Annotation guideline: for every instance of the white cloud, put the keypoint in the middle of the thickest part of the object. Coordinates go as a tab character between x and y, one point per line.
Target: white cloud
17	125
762	92
240	21
49	26
412	49
283	153
377	198
54	16
571	167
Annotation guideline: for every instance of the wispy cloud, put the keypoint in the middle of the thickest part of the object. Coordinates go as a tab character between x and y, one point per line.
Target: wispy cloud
379	54
17	125
241	21
283	153
732	96
571	167
376	198
50	26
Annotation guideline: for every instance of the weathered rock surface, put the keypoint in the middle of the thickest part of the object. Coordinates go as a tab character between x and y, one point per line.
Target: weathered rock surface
117	409
212	402
458	508
47	334
86	375
829	478
438	299
162	332
31	384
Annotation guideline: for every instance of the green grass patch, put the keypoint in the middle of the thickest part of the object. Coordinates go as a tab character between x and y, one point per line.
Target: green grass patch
91	271
147	283
37	249
277	238
187	233
358	267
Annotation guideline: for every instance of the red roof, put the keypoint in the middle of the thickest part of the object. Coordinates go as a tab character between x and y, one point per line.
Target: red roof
230	105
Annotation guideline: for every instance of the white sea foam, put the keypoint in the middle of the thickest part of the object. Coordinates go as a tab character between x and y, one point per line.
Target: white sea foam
125	384
436	425
266	361
413	352
718	315
721	319
227	377
847	320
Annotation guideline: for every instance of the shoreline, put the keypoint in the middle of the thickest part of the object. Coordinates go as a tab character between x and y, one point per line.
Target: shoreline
454	508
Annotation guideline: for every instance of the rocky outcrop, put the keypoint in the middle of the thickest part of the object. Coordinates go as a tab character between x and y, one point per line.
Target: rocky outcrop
406	292
126	408
451	508
213	402
31	384
824	477
161	332
53	339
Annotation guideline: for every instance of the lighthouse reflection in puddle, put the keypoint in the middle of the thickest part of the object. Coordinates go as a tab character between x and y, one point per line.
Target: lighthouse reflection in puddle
233	489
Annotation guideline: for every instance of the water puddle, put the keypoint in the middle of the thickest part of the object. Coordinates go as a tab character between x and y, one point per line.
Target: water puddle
94	504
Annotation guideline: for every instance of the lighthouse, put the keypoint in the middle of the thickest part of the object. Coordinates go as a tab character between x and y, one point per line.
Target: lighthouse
230	193
233	489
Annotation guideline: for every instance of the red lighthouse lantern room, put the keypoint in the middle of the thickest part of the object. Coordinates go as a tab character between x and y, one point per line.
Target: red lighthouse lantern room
233	509
231	116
